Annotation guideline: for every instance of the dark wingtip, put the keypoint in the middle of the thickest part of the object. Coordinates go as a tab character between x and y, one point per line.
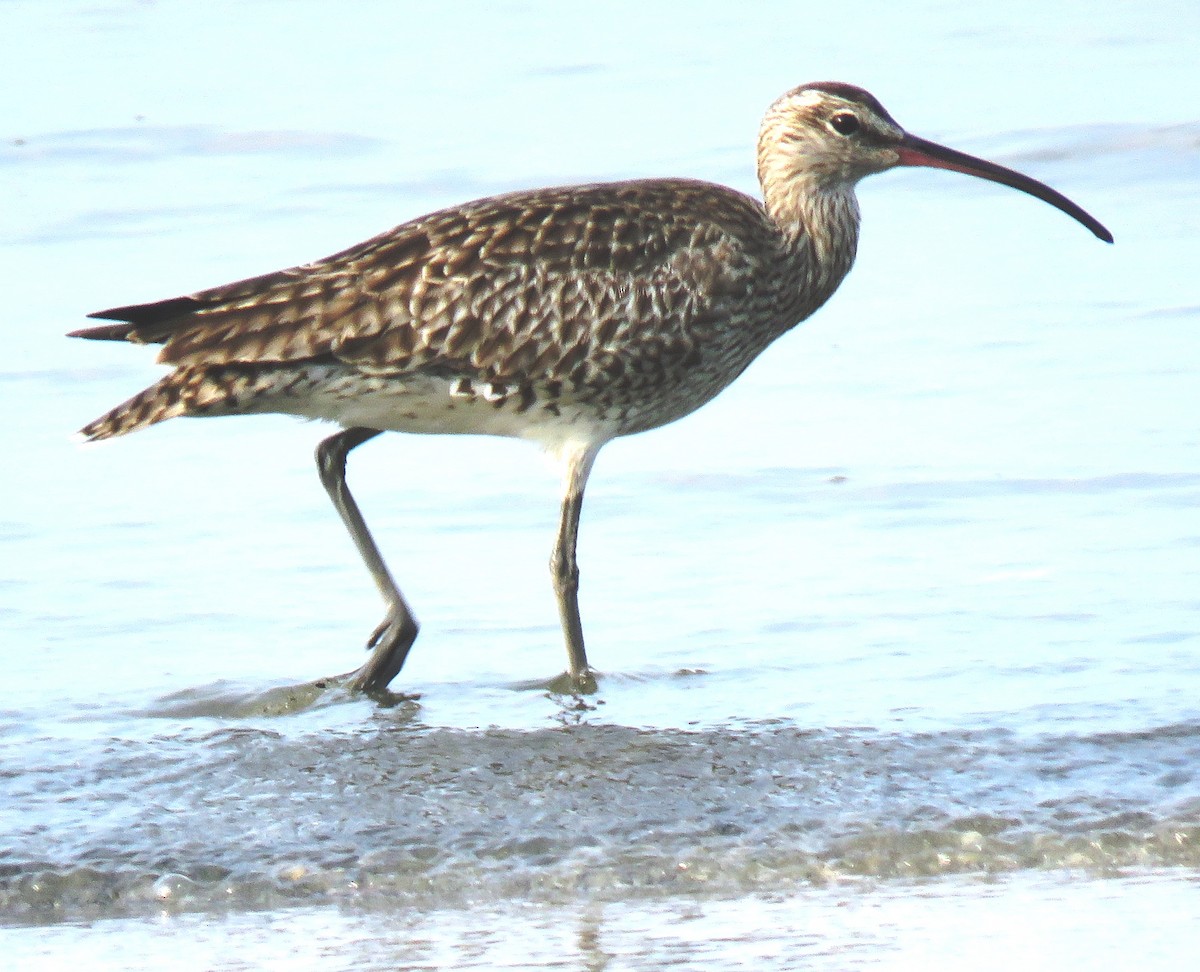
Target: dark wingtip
148	313
139	322
109	332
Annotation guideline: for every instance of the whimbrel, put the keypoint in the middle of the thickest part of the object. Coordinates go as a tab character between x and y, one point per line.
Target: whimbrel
566	316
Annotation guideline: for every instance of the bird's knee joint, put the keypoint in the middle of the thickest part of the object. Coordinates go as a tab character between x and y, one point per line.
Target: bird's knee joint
565	572
331	460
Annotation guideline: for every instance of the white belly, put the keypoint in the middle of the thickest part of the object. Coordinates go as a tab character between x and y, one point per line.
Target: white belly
428	404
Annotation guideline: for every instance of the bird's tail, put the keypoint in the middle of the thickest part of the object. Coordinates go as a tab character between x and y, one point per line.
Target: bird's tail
213	390
157	403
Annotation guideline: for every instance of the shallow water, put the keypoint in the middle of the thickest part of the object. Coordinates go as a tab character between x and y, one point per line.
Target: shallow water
1028	922
897	640
394	813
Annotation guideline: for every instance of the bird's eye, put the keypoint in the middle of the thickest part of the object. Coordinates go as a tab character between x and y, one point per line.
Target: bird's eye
844	123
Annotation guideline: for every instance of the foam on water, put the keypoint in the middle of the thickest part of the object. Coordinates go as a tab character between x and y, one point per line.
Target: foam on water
248	817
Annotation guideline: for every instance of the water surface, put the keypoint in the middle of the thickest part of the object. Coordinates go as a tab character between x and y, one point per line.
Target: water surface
897	640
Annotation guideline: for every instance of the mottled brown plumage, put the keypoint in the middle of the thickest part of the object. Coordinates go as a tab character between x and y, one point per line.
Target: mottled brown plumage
568	316
617	298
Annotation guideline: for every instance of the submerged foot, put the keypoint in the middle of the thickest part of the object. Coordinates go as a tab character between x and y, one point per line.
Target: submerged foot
349	685
572	683
389	645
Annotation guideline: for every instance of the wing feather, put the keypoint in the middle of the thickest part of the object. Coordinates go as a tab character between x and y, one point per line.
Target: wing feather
528	285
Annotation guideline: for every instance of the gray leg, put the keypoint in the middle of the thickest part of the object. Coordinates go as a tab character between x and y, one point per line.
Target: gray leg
398	630
564	568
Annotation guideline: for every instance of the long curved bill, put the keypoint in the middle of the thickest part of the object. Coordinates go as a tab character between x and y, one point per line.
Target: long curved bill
915	151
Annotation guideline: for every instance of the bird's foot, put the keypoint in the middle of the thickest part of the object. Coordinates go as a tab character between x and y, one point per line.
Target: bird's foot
394	626
574	683
389	645
349	686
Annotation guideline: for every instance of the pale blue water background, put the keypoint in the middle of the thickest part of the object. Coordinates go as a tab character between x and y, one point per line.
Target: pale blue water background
899	639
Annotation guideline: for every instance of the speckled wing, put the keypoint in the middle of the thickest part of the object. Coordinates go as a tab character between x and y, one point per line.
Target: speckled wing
562	284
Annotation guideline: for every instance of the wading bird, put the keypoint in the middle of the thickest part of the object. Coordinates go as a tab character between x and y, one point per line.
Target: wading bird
566	316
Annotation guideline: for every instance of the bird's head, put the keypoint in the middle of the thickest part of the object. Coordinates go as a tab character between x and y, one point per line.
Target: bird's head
825	136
